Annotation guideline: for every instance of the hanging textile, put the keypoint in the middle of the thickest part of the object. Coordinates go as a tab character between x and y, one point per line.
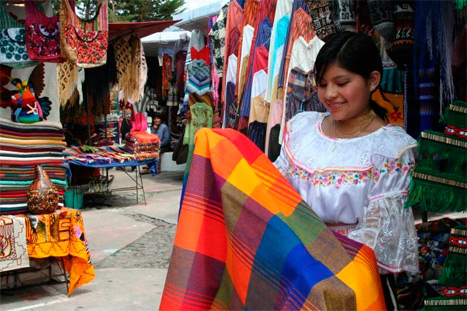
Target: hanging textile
166	73
13	50
300	26
217	40
323	23
128	62
344	14
84	41
67	81
232	36
42	35
439	182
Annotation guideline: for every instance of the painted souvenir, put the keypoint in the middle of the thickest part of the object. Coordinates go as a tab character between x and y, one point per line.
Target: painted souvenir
42	195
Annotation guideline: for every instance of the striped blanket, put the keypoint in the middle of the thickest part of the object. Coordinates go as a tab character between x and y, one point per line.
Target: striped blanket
246	240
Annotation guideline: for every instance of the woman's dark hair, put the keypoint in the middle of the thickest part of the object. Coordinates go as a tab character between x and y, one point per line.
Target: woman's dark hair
354	52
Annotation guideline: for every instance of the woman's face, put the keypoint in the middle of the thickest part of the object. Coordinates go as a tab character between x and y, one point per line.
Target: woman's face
345	94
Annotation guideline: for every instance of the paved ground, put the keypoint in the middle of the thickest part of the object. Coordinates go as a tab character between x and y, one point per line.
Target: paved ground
130	245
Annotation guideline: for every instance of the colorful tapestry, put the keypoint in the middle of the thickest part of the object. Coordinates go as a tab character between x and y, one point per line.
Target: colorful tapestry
62	234
13	250
246	240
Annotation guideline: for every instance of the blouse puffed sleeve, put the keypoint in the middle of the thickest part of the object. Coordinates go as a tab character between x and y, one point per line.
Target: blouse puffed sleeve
282	163
386	226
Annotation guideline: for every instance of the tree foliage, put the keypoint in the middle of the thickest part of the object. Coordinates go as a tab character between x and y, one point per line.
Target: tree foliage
143	10
129	10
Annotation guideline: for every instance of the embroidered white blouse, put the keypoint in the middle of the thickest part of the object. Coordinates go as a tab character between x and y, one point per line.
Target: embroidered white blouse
357	186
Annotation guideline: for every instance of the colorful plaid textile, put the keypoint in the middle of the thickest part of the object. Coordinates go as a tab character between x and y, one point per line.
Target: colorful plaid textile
246	240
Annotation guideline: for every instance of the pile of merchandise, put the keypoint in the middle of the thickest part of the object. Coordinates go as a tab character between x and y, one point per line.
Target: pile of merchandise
22	149
143	145
439	184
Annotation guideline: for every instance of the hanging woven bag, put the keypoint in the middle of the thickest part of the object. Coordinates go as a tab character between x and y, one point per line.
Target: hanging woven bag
84	42
13	51
42	35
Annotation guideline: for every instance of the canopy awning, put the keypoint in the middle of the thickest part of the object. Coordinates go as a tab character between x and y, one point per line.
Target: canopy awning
141	29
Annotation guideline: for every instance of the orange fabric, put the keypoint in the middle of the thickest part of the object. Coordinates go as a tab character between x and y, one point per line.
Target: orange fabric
61	234
394	104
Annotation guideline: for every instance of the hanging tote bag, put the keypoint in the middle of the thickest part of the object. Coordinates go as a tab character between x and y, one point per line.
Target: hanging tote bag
42	35
13	51
84	42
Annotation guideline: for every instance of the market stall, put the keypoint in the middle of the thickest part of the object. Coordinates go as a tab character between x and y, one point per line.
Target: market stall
249	67
47	74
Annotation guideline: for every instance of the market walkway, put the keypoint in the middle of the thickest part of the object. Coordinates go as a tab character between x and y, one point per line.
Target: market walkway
130	245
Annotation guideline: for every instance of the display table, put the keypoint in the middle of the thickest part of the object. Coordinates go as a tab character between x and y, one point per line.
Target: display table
60	235
137	179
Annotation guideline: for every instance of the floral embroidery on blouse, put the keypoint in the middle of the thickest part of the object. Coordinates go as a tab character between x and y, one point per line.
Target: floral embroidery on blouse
347	178
330	178
393	166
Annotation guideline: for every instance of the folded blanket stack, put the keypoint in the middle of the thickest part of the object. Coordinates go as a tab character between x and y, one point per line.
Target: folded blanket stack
143	145
22	147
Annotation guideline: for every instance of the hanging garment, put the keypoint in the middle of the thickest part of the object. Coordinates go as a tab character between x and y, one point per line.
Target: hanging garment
300	26
198	41
303	57
166	73
297	4
275	116
259	110
232	30
202	54
231	107
42	35
258	60
257	133
201	116
217	38
13	50
181	45
344	14
275	55
128	62
300	96
199	77
261	60
180	58
246	40
381	17
172	98
322	18
258	86
84	41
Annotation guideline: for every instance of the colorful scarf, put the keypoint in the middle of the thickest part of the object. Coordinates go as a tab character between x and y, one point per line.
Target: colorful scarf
246	240
61	234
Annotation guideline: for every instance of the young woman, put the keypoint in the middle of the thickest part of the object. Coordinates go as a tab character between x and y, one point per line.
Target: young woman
349	165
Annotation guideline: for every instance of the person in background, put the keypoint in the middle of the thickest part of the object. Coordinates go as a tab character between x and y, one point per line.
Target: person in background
162	131
351	166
